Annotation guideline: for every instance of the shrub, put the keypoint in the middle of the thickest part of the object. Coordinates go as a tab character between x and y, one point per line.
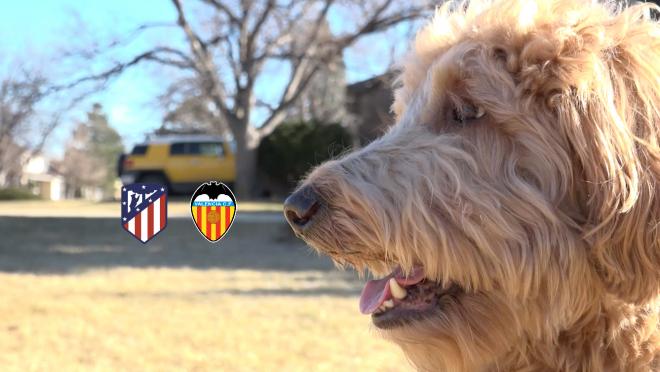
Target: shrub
293	149
16	194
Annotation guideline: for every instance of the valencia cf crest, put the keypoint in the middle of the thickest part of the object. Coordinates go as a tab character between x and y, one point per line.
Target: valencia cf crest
213	207
144	210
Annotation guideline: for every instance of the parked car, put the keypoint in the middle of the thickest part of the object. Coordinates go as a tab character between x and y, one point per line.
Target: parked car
182	162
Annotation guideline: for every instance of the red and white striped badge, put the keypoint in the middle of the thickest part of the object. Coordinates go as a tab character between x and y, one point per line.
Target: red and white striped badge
144	210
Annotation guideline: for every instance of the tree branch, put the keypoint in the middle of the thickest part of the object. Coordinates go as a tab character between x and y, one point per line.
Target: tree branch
258	25
307	63
150	55
279	113
376	23
224	9
205	66
94	51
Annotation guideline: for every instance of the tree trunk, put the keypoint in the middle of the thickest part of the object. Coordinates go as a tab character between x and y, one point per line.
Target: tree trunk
246	164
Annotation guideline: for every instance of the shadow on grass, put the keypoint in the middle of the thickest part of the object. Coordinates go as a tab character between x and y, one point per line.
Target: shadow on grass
71	245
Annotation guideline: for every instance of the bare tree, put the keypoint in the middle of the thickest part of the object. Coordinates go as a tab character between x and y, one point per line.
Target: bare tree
22	133
91	154
228	50
323	99
187	109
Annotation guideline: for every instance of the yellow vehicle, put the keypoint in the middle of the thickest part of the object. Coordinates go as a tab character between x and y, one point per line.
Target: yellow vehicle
181	162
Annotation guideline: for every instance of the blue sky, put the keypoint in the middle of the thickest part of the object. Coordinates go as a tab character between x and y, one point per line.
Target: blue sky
36	30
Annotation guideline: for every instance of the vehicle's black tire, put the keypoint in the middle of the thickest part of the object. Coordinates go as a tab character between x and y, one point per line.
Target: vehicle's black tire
154	178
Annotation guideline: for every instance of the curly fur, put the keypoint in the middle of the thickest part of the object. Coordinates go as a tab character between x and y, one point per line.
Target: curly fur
546	211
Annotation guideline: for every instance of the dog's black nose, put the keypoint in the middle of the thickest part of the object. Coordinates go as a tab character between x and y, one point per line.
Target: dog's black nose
300	208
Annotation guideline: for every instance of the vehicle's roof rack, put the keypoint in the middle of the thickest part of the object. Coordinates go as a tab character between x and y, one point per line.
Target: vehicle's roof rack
172	138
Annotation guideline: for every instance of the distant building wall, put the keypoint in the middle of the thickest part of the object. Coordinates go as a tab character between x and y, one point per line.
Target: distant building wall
38	175
368	103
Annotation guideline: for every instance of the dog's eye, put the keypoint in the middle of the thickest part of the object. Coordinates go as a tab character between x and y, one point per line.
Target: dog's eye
465	113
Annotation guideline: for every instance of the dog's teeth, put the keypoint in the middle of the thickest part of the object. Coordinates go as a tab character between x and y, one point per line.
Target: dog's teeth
388	304
397	291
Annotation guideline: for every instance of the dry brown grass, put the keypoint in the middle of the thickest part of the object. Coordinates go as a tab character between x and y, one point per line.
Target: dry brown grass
186	319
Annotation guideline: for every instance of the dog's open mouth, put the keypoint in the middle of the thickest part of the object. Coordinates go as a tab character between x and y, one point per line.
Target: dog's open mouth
399	299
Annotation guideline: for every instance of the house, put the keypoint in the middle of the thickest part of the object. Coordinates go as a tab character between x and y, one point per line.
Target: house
368	103
42	179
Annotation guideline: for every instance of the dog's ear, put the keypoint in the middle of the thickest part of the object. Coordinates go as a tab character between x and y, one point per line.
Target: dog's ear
613	125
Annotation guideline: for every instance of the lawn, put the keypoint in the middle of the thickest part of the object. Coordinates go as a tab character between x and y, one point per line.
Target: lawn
80	294
182	319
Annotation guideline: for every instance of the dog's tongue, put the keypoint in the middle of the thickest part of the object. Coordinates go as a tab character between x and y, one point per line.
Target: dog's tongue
374	293
377	291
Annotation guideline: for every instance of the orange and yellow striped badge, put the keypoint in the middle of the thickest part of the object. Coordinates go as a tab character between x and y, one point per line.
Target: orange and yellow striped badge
213	208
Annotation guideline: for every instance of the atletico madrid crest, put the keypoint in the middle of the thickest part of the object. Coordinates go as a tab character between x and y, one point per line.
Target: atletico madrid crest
144	210
213	207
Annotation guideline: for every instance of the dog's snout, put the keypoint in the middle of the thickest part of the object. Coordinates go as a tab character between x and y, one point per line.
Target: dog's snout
300	208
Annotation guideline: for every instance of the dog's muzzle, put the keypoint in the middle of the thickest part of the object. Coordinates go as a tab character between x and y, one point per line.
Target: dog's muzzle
300	208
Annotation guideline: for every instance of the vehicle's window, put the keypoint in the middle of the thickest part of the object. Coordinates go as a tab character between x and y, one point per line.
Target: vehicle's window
192	148
197	148
211	149
178	149
139	150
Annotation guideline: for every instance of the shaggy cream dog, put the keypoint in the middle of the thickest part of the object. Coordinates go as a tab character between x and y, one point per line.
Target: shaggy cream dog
513	210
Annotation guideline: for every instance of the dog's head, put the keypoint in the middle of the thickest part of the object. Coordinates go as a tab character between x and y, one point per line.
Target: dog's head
519	186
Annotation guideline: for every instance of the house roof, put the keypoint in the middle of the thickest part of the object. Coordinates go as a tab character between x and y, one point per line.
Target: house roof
383	81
